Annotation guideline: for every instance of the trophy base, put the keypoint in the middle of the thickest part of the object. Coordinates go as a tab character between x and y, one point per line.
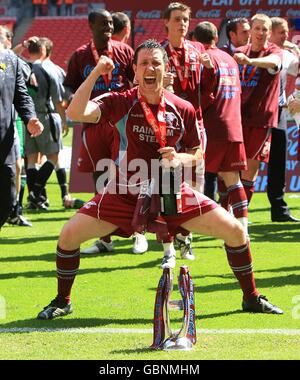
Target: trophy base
179	344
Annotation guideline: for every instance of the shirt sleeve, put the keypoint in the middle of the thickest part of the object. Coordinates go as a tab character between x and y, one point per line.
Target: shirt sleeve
129	69
110	106
275	50
22	101
73	78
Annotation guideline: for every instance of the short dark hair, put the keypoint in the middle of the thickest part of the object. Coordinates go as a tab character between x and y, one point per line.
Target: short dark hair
205	32
176	7
99	12
278	21
150	45
231	25
34	47
120	21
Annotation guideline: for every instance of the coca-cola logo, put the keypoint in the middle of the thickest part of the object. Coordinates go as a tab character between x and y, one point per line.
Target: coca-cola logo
216	13
151	14
292	147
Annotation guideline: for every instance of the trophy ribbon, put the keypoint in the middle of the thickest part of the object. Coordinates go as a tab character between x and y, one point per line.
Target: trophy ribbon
164	338
161	325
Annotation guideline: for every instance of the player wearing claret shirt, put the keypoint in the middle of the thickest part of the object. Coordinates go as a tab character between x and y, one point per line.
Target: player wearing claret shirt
185	58
97	142
221	105
260	65
110	212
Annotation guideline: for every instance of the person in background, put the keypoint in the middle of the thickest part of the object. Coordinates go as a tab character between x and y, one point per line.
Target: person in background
259	65
60	171
183	78
16	216
238	34
48	104
13	93
221	107
69	7
122	27
277	161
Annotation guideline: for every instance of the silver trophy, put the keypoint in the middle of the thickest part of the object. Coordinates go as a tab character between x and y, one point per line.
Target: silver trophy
183	339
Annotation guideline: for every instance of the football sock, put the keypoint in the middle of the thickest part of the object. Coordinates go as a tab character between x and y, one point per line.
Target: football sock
67	265
238	200
107	239
223	194
62	181
31	174
42	177
240	261
249	187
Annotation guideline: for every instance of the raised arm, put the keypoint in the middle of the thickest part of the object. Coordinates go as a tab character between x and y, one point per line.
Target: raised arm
81	107
271	61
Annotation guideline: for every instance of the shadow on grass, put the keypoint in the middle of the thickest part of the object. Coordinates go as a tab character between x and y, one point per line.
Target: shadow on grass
70	322
27	240
275	232
54	219
52	273
134	351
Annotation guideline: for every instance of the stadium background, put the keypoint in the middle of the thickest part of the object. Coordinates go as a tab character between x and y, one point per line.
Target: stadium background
68	33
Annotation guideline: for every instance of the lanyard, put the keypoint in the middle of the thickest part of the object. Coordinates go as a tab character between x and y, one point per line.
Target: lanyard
96	58
253	68
158	125
183	74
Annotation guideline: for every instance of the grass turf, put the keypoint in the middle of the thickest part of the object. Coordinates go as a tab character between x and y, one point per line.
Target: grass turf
118	291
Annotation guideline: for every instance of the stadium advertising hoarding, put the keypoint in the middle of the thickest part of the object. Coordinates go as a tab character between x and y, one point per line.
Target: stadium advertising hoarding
292	164
210	8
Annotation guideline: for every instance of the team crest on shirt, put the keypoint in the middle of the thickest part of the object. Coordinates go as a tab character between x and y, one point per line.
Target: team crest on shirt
172	121
90	204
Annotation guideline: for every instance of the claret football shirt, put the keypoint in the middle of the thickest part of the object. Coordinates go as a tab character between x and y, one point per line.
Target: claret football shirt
260	90
135	137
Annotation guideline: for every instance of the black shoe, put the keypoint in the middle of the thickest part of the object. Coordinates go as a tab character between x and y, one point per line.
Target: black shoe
38	202
260	304
285	218
55	309
19	220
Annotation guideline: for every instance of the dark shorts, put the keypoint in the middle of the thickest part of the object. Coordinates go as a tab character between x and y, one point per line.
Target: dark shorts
225	157
257	143
118	209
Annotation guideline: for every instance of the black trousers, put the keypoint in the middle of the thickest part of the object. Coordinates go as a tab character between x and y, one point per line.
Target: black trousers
276	173
7	190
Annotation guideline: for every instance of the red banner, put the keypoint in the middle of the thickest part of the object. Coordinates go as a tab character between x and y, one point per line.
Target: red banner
79	182
209	8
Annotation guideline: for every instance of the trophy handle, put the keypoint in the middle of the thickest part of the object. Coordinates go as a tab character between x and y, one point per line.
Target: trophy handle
166	310
186	310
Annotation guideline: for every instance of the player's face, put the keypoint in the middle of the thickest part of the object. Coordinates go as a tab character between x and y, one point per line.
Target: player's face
102	27
280	34
242	34
6	41
260	33
178	24
150	70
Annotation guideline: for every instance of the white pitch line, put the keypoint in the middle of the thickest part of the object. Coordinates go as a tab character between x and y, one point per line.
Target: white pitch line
97	330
